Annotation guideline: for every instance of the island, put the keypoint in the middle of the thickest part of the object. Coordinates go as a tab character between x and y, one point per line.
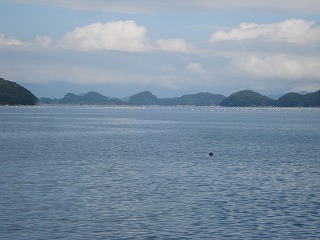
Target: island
244	98
12	93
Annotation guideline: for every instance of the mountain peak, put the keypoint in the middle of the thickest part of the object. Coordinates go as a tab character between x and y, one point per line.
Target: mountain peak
143	98
247	98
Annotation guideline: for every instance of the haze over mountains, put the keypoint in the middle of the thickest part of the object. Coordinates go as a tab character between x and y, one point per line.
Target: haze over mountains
12	93
142	98
245	98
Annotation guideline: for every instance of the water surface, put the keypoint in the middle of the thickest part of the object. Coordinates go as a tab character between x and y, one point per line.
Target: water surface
144	172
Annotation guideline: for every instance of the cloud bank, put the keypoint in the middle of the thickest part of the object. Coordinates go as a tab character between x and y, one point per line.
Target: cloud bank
128	36
250	54
293	30
9	41
117	35
278	66
196	68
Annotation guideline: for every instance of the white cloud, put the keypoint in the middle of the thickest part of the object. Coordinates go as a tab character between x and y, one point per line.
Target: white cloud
9	41
292	30
278	66
14	42
118	35
172	45
196	68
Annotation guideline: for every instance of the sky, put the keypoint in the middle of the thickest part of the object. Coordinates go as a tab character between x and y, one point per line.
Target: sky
169	47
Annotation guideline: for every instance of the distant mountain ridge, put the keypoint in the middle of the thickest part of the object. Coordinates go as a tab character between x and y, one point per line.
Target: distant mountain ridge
244	98
298	100
142	98
12	93
248	98
91	98
198	99
277	96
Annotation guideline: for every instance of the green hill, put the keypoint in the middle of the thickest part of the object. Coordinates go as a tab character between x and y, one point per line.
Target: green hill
71	98
291	100
198	99
247	98
143	98
12	93
312	99
90	98
298	100
201	99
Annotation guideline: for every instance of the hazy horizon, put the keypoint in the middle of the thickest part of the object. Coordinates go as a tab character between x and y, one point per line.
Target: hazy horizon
170	48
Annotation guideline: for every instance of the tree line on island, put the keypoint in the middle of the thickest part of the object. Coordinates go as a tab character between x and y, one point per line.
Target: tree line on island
245	98
12	93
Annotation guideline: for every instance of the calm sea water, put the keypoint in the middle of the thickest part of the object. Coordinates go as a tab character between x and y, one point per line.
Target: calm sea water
145	173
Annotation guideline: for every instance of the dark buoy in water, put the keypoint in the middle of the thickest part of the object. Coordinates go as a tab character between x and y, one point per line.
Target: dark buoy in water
210	153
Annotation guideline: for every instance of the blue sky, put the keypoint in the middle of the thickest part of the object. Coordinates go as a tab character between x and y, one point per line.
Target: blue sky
171	48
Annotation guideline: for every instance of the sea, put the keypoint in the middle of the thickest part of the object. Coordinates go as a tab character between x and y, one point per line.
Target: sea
120	172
